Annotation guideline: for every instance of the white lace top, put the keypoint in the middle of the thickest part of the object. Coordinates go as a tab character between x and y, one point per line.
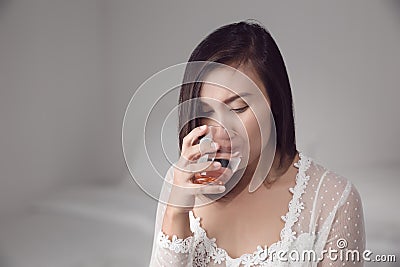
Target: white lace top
324	214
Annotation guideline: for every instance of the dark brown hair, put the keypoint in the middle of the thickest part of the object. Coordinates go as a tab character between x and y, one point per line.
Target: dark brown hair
246	42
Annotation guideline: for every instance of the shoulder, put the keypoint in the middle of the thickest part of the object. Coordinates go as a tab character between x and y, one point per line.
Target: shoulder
331	186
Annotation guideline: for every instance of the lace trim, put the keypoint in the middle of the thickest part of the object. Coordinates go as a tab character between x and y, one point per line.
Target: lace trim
207	246
177	245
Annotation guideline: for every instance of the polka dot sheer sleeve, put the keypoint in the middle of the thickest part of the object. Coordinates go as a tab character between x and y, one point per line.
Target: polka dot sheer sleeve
346	238
167	250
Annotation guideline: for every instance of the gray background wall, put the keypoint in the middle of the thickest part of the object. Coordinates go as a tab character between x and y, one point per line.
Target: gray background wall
69	68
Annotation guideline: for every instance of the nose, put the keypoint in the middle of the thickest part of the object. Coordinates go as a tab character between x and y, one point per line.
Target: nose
223	119
225	137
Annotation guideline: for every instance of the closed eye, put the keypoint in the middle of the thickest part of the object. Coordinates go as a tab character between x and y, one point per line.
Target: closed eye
240	110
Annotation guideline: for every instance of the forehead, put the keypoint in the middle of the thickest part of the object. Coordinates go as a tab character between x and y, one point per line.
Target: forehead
224	82
214	91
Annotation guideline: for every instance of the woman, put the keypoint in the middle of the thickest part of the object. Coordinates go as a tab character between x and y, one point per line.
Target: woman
297	214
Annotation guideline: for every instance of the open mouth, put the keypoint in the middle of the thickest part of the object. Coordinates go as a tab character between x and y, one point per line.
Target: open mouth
224	162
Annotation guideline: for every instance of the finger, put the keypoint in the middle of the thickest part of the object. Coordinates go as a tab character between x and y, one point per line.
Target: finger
210	189
189	139
196	151
199	189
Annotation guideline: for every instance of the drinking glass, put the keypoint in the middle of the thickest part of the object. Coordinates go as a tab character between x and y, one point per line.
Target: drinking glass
228	154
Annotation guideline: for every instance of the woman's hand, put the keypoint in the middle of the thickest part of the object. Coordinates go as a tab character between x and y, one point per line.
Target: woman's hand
184	190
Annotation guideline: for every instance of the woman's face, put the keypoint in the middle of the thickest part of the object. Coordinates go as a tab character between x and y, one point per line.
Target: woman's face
233	101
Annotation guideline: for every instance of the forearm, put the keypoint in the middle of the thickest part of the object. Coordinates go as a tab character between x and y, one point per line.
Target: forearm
176	222
174	242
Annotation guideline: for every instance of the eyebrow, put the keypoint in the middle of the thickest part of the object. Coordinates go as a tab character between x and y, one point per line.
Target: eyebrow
233	98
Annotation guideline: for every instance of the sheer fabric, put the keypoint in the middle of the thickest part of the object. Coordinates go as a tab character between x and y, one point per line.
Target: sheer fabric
324	226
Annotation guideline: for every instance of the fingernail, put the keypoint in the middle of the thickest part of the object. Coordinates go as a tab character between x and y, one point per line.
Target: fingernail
221	188
202	127
217	164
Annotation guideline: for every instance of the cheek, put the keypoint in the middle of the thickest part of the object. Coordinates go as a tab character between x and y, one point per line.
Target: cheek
253	133
253	130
